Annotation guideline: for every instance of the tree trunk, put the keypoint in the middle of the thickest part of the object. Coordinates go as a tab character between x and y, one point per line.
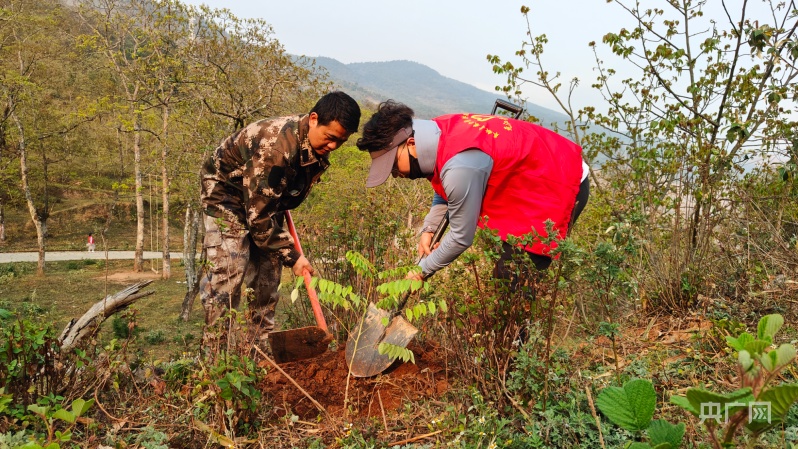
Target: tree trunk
121	153
138	260
2	223
44	212
34	214
167	261
190	237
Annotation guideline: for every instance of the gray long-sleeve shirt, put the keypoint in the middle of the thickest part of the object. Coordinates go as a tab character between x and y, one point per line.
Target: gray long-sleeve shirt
464	178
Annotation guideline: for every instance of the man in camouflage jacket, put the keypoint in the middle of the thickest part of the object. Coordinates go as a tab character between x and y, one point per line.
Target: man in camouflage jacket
247	183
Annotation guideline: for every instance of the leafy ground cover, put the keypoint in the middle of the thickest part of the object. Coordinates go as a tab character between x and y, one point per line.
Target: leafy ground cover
155	385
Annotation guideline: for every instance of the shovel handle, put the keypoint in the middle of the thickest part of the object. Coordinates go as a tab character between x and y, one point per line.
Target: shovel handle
436	237
314	300
507	106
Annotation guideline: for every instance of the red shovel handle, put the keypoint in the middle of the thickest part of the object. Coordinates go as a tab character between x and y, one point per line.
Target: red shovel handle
314	300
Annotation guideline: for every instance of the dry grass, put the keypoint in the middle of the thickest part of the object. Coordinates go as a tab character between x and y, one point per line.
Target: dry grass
68	289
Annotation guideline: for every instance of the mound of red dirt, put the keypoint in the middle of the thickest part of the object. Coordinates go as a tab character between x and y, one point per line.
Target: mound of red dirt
326	379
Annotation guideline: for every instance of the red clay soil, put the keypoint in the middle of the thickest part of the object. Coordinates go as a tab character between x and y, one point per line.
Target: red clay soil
324	378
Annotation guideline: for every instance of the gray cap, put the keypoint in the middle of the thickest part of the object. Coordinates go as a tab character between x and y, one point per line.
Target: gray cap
382	161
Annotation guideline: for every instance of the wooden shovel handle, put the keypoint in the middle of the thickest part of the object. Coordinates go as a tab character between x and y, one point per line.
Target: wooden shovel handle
314	300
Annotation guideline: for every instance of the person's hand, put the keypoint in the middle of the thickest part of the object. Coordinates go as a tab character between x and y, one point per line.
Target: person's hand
415	276
301	265
424	244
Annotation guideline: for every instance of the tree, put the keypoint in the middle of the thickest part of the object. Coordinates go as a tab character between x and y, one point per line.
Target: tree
705	95
169	33
118	33
243	73
38	113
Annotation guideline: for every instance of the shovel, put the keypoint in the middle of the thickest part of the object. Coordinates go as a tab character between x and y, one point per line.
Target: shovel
305	342
362	354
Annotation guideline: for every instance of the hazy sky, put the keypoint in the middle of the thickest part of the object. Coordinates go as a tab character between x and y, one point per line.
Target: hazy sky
452	37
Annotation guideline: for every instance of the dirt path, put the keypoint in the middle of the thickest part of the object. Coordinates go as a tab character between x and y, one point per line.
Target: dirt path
52	256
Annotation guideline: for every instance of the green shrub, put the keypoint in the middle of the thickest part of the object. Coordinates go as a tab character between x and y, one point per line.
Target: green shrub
155	337
13	440
7	273
120	327
234	380
149	438
183	338
178	371
30	308
28	354
49	416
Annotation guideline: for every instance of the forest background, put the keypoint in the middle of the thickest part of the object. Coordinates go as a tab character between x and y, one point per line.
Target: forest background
689	239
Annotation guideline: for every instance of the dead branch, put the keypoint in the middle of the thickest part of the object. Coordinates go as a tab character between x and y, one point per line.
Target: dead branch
88	324
410	440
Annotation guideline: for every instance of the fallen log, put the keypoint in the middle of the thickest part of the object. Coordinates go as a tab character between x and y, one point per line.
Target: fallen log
87	325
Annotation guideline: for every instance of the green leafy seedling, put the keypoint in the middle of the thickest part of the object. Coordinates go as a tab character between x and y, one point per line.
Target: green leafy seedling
632	408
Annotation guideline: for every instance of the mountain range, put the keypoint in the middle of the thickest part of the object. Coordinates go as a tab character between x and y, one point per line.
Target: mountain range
426	91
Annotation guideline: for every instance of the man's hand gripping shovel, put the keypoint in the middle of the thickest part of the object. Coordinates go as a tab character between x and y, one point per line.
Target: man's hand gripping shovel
362	348
306	342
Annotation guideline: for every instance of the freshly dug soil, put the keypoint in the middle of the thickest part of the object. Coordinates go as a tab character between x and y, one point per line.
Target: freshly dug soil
325	379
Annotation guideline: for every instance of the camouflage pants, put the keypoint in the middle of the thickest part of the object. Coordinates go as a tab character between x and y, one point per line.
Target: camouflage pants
235	261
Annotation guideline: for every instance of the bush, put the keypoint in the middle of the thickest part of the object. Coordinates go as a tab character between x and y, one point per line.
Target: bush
28	354
155	337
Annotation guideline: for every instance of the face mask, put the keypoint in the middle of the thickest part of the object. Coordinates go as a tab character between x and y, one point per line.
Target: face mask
415	168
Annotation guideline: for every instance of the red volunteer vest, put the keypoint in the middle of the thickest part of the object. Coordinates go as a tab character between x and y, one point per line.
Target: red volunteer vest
535	177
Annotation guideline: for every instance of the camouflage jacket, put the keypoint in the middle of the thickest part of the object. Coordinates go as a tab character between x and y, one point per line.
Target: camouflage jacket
256	174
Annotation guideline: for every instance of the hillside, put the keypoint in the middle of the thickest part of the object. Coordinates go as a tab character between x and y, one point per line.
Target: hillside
420	87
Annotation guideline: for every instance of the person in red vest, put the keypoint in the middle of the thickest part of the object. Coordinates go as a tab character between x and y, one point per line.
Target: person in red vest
487	171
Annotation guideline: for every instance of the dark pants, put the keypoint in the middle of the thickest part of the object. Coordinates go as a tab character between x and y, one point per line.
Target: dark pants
501	271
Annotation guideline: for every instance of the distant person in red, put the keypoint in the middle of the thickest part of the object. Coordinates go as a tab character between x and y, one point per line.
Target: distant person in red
90	243
488	171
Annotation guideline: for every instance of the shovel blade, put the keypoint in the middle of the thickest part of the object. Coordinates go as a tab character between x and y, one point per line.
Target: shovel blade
298	344
362	354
